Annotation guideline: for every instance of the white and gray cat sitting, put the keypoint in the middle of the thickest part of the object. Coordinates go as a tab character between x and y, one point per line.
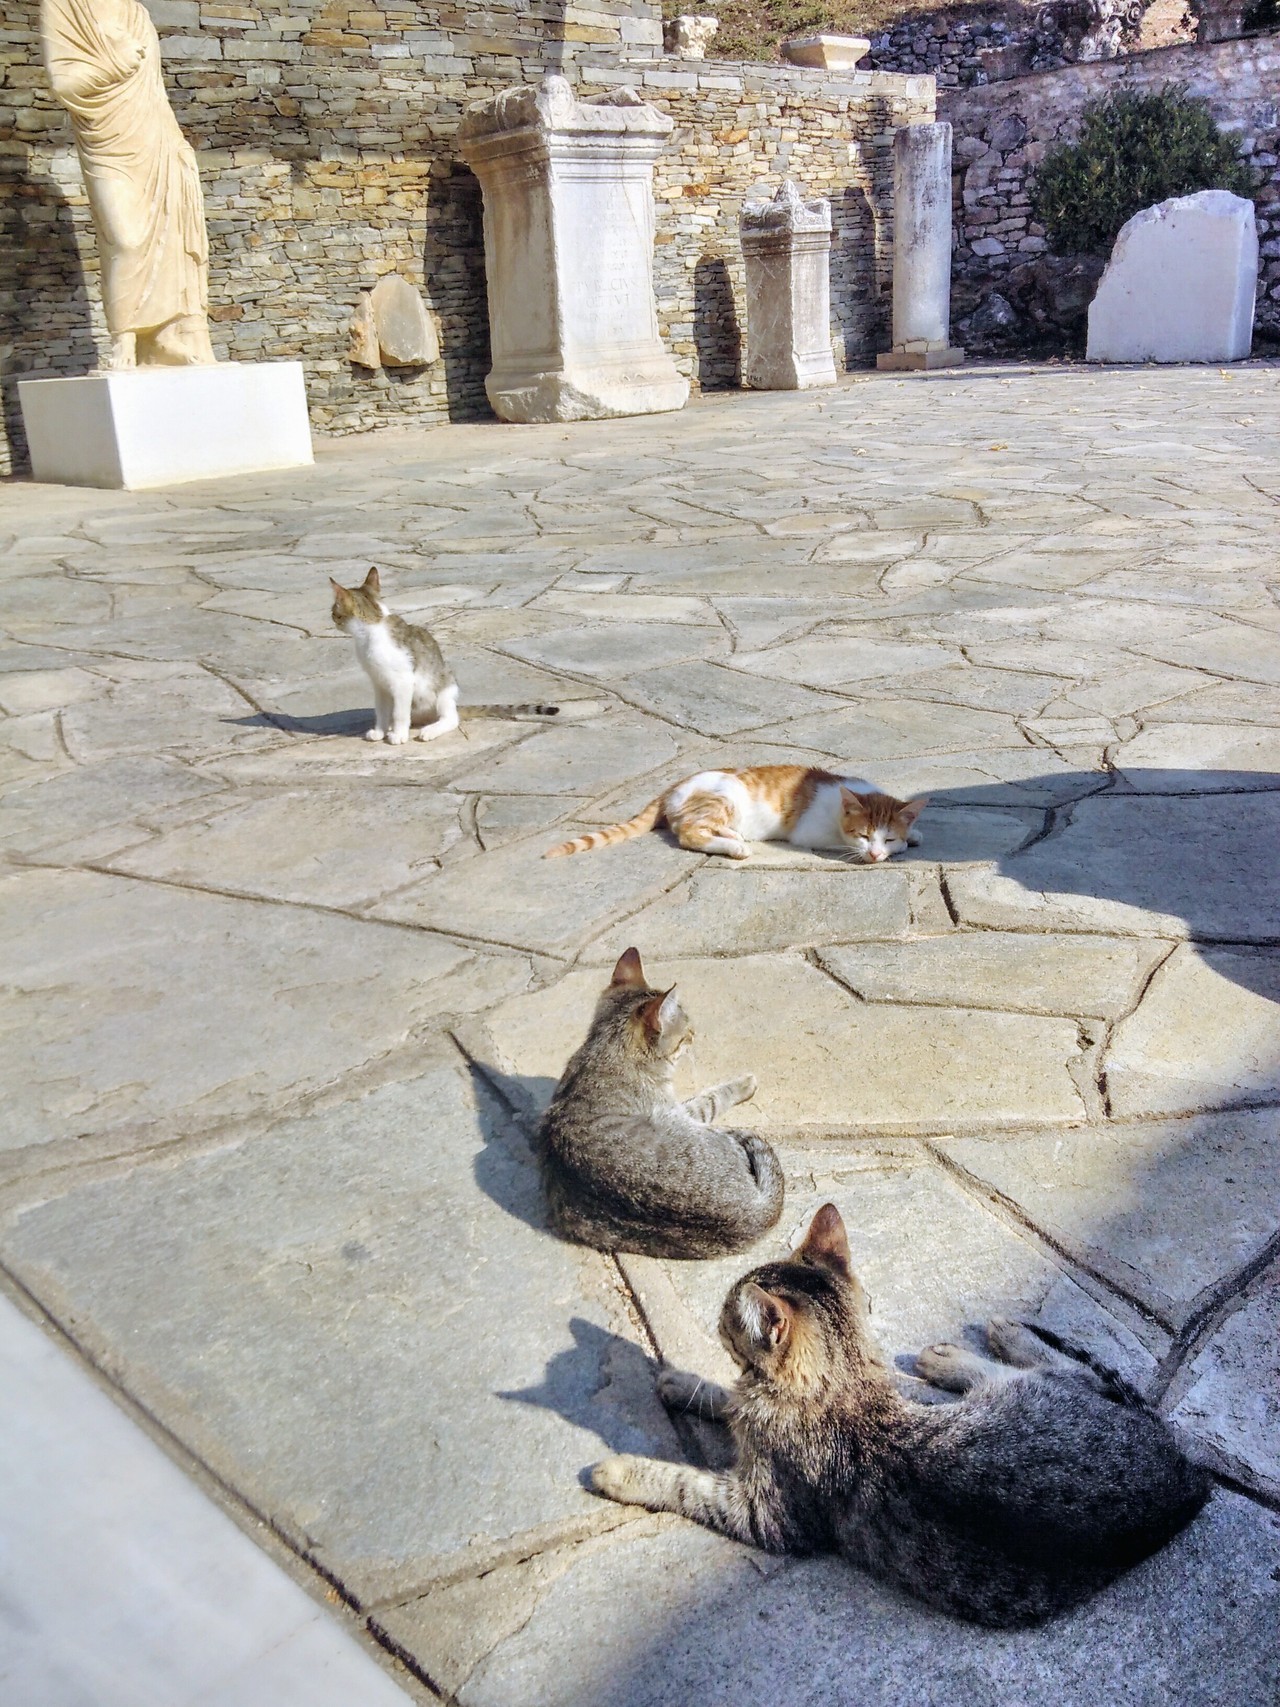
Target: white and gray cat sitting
625	1164
413	687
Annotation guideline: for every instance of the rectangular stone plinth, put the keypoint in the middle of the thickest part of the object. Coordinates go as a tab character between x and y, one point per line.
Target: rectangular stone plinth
156	426
916	361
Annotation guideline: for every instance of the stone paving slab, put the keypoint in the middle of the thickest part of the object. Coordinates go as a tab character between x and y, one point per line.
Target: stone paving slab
231	1064
718	1623
344	1338
1166	1211
842	1065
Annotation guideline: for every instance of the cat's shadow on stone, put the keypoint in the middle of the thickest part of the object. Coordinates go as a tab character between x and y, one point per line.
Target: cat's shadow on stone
348	723
508	1106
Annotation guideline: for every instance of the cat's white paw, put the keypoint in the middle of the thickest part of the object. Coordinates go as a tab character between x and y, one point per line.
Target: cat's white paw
374	734
395	738
743	1089
614	1478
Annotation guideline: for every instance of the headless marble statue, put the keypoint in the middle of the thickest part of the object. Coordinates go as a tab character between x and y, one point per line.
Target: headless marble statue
141	177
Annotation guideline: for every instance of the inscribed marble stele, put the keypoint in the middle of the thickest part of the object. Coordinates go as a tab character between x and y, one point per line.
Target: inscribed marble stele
786	247
568	241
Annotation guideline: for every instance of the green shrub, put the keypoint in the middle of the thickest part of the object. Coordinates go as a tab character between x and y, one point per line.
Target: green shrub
1134	150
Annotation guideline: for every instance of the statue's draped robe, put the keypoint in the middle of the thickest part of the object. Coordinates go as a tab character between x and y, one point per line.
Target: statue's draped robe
139	170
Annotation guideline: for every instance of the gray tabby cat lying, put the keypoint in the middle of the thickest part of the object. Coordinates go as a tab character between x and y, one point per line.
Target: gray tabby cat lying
1046	1480
628	1168
413	688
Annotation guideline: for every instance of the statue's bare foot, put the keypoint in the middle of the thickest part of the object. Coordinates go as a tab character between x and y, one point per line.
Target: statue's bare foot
183	342
123	354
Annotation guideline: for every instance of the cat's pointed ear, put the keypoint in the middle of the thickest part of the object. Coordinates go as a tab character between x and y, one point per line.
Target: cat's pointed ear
768	1316
629	971
913	808
855	802
662	1013
371	582
338	588
826	1242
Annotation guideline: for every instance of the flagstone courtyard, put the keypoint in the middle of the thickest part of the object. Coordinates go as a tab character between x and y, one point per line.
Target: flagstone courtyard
281	1005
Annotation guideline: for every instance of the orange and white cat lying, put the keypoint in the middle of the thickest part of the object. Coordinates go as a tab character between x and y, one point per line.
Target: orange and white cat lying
721	811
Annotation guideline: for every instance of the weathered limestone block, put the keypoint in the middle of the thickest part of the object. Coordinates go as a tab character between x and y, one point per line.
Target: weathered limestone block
568	240
828	51
391	327
1180	284
786	245
689	37
921	250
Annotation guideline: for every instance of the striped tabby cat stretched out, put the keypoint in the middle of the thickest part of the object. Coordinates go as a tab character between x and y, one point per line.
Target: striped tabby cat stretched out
719	812
1047	1478
413	687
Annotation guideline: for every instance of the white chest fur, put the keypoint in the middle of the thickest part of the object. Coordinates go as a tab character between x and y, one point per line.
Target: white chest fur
384	661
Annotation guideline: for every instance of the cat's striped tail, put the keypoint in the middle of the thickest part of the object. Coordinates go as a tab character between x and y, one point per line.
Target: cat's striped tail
533	708
615	833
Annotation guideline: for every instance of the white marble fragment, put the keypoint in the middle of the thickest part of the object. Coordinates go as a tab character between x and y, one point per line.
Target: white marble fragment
921	250
406	336
829	51
689	37
1180	284
362	347
568	242
786	245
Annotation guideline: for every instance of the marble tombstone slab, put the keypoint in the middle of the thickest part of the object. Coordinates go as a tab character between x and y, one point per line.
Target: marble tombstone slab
921	250
786	247
1180	284
568	243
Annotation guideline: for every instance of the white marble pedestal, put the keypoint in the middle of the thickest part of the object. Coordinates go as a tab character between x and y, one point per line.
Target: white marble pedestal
568	248
157	426
921	250
786	246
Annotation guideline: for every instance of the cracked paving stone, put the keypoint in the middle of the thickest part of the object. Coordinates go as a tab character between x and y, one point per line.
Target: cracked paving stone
1142	865
516	898
366	1329
1097	976
1181	757
828	660
1231	1391
665	1613
1207	1031
320	847
823	1059
572	759
143	1009
620	649
1165	1210
960	1265
716	701
741	911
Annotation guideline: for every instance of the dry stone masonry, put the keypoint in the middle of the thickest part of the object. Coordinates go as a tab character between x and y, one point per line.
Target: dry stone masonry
326	141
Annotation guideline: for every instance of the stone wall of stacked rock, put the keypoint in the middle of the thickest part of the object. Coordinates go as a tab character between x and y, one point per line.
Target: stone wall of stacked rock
1009	295
325	133
977	44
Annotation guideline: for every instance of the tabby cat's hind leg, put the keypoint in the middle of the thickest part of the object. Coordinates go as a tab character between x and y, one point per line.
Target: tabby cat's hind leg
445	719
705	824
955	1369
